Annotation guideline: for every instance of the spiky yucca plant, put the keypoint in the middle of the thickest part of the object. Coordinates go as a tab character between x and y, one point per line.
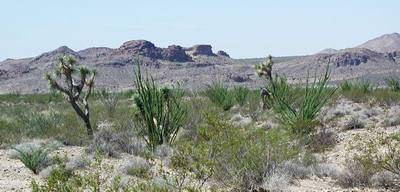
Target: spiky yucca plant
240	93
393	84
33	158
345	85
73	88
299	118
220	95
161	111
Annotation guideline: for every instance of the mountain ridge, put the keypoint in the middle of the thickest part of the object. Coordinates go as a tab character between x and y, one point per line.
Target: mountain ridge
383	44
196	66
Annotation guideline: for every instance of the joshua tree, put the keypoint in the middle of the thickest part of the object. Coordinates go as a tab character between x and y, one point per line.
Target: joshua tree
73	88
264	70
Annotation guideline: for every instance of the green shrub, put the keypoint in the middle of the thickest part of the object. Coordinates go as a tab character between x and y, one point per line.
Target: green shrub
235	157
220	95
9	133
358	91
33	158
364	86
393	84
161	111
379	152
345	85
253	108
137	167
63	180
240	93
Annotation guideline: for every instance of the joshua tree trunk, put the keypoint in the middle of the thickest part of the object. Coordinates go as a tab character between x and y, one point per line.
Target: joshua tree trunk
84	115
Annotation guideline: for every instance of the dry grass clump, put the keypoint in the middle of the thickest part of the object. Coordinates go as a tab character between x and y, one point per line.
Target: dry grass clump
354	123
111	144
137	166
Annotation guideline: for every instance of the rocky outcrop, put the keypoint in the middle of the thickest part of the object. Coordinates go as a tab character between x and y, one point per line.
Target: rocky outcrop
175	53
394	56
124	54
200	50
348	57
240	78
223	54
3	72
140	47
147	49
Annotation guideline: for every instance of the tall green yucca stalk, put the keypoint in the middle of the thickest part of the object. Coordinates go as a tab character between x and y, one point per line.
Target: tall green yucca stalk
161	110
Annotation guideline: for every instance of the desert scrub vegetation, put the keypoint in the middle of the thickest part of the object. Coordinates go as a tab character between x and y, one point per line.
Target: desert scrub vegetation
300	116
34	117
73	89
109	99
220	95
161	112
62	179
235	157
393	84
376	162
225	97
241	94
138	167
109	142
363	92
195	137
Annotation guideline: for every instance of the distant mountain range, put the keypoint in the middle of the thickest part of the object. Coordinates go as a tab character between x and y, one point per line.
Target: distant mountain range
196	66
373	60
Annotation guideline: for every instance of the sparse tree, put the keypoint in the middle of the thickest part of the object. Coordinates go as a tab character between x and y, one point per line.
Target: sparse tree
76	78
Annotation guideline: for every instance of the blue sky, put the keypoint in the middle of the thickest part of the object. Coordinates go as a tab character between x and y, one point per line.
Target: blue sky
250	28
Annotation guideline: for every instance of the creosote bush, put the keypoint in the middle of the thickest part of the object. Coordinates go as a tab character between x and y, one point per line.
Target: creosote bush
235	157
161	111
375	155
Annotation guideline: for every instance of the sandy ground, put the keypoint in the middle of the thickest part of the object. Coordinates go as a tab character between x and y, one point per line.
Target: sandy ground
14	176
